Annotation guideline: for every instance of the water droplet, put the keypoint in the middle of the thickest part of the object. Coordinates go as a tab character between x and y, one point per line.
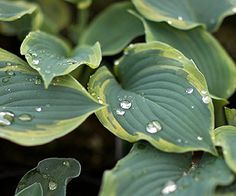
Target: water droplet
25	117
206	99
169	22
71	62
38	109
131	45
35	61
179	140
6	118
52	185
199	138
180	18
8	63
153	127
120	112
10	73
169	187
125	104
192	106
6	79
234	9
189	90
34	54
37	81
66	163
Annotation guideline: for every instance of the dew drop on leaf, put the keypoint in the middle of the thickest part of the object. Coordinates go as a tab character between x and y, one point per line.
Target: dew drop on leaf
6	79
66	163
38	109
25	117
6	118
10	73
35	61
125	104
120	112
180	18
199	138
38	81
189	90
206	99
153	127
169	187
52	185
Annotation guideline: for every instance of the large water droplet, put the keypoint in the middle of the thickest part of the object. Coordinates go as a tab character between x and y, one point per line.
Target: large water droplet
125	104
120	112
6	118
189	90
169	187
206	99
180	18
38	109
25	117
35	61
153	127
52	185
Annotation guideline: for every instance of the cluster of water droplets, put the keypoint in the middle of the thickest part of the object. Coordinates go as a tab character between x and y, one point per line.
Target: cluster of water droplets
124	105
205	97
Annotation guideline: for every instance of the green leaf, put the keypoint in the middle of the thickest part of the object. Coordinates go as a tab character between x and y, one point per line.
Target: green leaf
164	97
211	59
10	11
226	137
110	29
32	190
231	116
147	171
33	115
53	174
187	14
81	4
219	111
52	57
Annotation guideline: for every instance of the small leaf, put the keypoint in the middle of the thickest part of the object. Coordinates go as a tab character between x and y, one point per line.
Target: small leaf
53	174
10	11
32	190
52	57
147	171
162	98
187	14
211	58
231	116
225	136
33	115
110	29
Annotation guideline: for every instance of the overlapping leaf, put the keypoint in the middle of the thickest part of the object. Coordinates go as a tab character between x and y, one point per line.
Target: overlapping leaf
52	57
211	59
10	11
231	116
226	137
31	114
147	171
162	98
53	174
187	14
114	29
34	189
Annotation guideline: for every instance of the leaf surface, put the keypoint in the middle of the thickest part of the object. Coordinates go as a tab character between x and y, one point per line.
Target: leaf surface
34	189
161	98
148	171
114	29
53	174
31	114
187	14
52	57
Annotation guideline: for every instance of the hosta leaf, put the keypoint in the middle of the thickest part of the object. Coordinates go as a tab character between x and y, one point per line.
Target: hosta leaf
226	137
110	29
211	59
187	14
53	174
81	4
31	114
162	98
10	11
147	171
52	57
231	116
34	189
